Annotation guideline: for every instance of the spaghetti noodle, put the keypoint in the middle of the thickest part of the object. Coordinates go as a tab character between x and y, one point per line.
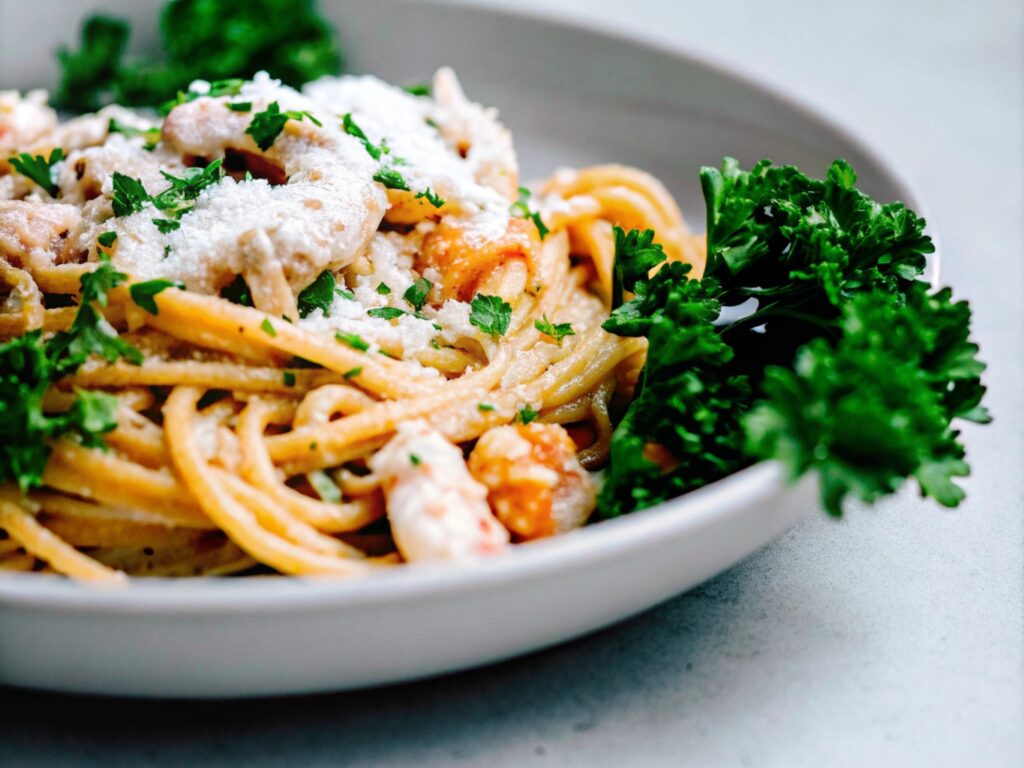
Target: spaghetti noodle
363	344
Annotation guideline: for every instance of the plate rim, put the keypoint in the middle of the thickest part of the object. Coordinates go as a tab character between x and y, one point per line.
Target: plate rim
607	539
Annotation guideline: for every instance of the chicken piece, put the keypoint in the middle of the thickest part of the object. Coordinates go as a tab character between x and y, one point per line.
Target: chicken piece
34	234
436	509
537	486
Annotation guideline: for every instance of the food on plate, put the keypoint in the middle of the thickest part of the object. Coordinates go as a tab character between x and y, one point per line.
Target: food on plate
329	331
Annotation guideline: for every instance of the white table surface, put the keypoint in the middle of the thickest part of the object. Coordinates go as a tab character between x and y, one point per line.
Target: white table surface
893	638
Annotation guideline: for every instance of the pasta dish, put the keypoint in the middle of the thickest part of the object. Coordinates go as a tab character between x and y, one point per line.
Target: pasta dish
318	331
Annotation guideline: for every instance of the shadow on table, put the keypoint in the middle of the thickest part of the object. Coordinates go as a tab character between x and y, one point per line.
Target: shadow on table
681	654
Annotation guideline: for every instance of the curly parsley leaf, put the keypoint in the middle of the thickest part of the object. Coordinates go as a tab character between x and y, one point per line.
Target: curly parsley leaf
142	293
556	331
209	40
416	294
491	314
40	169
267	125
29	366
391	179
848	367
431	197
521	209
129	195
179	198
318	295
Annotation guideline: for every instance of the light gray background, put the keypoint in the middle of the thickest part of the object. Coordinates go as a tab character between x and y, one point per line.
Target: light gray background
893	638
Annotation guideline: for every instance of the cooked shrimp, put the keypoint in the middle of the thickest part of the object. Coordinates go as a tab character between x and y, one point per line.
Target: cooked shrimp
537	486
436	509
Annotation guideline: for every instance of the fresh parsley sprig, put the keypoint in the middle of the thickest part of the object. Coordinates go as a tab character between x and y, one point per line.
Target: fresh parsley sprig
521	209
850	366
40	169
556	331
491	314
29	365
267	125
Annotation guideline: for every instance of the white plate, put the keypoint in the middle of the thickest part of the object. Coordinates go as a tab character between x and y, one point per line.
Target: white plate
571	96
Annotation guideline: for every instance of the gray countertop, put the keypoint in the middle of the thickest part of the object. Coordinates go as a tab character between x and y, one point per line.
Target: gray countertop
892	638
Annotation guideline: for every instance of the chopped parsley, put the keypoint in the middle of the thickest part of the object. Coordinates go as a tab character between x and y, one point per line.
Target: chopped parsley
383	289
267	125
416	294
324	486
416	460
391	179
39	169
318	295
556	331
351	373
240	106
28	367
129	195
107	239
526	414
289	378
485	407
353	340
345	293
431	197
166	225
352	128
151	135
521	209
267	327
419	89
491	314
237	292
142	293
178	199
386	313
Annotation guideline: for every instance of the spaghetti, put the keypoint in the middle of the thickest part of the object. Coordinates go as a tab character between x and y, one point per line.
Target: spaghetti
365	345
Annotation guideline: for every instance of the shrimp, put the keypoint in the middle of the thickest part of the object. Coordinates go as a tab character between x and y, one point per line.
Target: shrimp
436	509
537	486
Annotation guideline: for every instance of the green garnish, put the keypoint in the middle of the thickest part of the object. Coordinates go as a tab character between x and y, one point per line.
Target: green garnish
391	179
850	367
210	40
237	292
267	125
166	225
39	169
107	239
151	135
352	128
433	198
556	331
351	373
178	199
267	327
416	461
318	295
325	488
289	378
143	293
416	294
345	293
29	366
491	314
419	89
353	340
636	254
383	289
526	414
240	106
486	407
129	195
521	209
386	313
